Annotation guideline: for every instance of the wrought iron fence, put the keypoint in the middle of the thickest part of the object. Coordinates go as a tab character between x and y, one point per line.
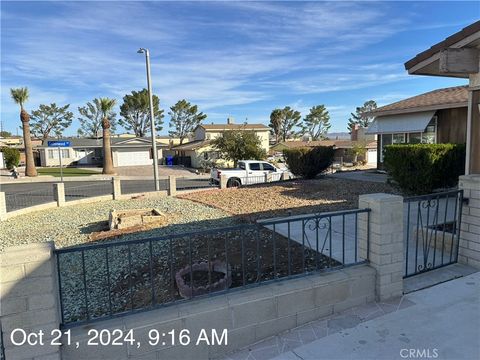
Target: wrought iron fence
255	179
138	186
432	231
2	348
77	191
24	199
184	183
112	279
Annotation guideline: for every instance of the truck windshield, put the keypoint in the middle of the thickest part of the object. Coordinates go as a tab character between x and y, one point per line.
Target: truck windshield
241	165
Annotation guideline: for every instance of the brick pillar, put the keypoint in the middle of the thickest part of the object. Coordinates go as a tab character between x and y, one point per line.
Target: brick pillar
385	248
172	185
29	298
469	246
59	193
223	182
284	176
116	188
3	205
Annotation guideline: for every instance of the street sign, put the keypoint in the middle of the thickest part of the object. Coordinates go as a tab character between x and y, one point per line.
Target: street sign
63	143
59	144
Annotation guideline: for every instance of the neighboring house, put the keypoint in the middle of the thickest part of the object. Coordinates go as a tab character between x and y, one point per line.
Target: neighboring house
458	56
341	148
16	142
438	116
12	140
195	152
89	152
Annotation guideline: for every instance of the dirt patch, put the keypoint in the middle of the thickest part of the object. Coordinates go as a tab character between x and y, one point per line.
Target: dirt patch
264	256
107	234
291	197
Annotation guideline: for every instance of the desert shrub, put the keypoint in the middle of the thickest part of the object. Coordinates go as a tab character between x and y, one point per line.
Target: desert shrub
422	168
11	157
308	162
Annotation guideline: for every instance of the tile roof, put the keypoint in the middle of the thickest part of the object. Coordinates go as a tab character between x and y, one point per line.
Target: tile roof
437	99
336	143
192	145
234	126
92	142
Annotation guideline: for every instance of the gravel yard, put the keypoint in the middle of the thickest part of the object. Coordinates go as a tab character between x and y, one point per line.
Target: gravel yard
297	197
72	225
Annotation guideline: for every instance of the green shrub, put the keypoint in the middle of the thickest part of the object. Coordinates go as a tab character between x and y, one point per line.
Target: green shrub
422	168
11	157
308	162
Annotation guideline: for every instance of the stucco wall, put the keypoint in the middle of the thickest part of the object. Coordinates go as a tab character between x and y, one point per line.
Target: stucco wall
46	161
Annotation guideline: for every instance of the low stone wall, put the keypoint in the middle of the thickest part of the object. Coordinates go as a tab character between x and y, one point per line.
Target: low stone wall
249	315
28	298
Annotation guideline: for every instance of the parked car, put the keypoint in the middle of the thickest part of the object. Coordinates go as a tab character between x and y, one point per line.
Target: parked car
248	172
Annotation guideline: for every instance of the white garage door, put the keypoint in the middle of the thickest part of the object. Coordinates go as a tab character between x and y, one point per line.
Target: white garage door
133	157
372	156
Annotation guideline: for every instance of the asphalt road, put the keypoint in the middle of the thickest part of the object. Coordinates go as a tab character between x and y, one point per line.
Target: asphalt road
20	196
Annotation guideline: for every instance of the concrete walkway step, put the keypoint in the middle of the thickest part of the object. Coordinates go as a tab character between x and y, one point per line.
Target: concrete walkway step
442	324
434	277
308	333
441	320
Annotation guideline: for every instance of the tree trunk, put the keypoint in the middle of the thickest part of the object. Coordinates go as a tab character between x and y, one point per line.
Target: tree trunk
30	169
107	151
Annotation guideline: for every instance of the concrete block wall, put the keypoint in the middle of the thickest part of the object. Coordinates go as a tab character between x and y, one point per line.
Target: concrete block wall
59	193
384	247
250	315
28	299
3	205
469	245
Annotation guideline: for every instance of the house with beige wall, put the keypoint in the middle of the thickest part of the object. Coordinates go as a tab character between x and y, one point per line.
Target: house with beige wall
199	149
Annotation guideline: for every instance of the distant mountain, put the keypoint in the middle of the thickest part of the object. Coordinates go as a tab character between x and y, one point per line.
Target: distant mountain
338	136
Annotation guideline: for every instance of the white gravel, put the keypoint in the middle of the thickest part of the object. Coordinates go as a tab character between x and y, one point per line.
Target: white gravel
72	225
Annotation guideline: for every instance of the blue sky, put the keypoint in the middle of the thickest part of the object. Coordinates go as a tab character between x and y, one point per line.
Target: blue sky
239	59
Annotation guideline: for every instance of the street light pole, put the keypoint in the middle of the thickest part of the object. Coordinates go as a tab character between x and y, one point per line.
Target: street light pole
152	118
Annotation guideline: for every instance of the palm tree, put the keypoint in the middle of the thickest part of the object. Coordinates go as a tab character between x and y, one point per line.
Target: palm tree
20	96
106	106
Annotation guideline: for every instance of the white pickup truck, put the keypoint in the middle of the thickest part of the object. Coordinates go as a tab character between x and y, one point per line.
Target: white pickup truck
248	172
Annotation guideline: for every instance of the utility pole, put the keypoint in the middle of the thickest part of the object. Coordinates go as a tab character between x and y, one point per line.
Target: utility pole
152	118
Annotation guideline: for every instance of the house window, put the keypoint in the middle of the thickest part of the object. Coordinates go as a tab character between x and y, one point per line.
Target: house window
414	138
429	136
386	139
53	153
398	138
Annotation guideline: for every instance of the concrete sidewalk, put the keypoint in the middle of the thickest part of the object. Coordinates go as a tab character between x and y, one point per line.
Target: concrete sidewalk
443	323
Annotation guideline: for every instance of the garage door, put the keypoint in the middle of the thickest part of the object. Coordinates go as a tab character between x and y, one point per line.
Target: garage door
133	157
372	156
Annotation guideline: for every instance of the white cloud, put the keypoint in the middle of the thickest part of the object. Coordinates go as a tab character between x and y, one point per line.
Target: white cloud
252	52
